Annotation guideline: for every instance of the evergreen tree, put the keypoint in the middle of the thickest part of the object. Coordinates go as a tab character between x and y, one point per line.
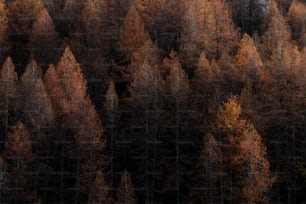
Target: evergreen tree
125	191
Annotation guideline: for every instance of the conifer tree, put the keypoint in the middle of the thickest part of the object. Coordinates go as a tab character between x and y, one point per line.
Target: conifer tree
297	22
19	157
56	92
9	92
3	25
248	60
133	34
44	39
219	33
247	172
277	34
99	190
125	191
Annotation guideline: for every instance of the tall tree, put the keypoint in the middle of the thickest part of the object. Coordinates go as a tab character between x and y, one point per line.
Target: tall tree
19	157
99	191
133	34
247	172
9	92
277	33
297	22
3	27
125	191
21	16
44	39
248	60
219	32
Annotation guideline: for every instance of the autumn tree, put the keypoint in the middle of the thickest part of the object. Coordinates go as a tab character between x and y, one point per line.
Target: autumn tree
44	39
297	22
277	33
247	172
99	191
133	34
19	157
21	16
219	32
9	92
248	61
190	38
3	27
85	122
125	191
209	167
55	92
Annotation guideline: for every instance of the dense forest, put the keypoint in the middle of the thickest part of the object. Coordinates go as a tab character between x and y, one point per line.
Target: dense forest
152	101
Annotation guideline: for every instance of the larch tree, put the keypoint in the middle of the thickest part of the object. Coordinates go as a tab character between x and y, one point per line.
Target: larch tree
44	39
125	192
209	163
21	16
297	21
19	157
99	191
133	34
248	60
244	162
39	108
3	25
56	92
219	32
9	93
252	157
177	82
277	34
190	40
82	117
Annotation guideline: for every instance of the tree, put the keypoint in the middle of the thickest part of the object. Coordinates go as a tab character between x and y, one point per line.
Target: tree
99	190
56	92
44	39
8	90
21	16
256	178
39	108
296	19
277	33
133	34
125	191
248	60
190	38
3	25
219	33
209	162
19	157
244	162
